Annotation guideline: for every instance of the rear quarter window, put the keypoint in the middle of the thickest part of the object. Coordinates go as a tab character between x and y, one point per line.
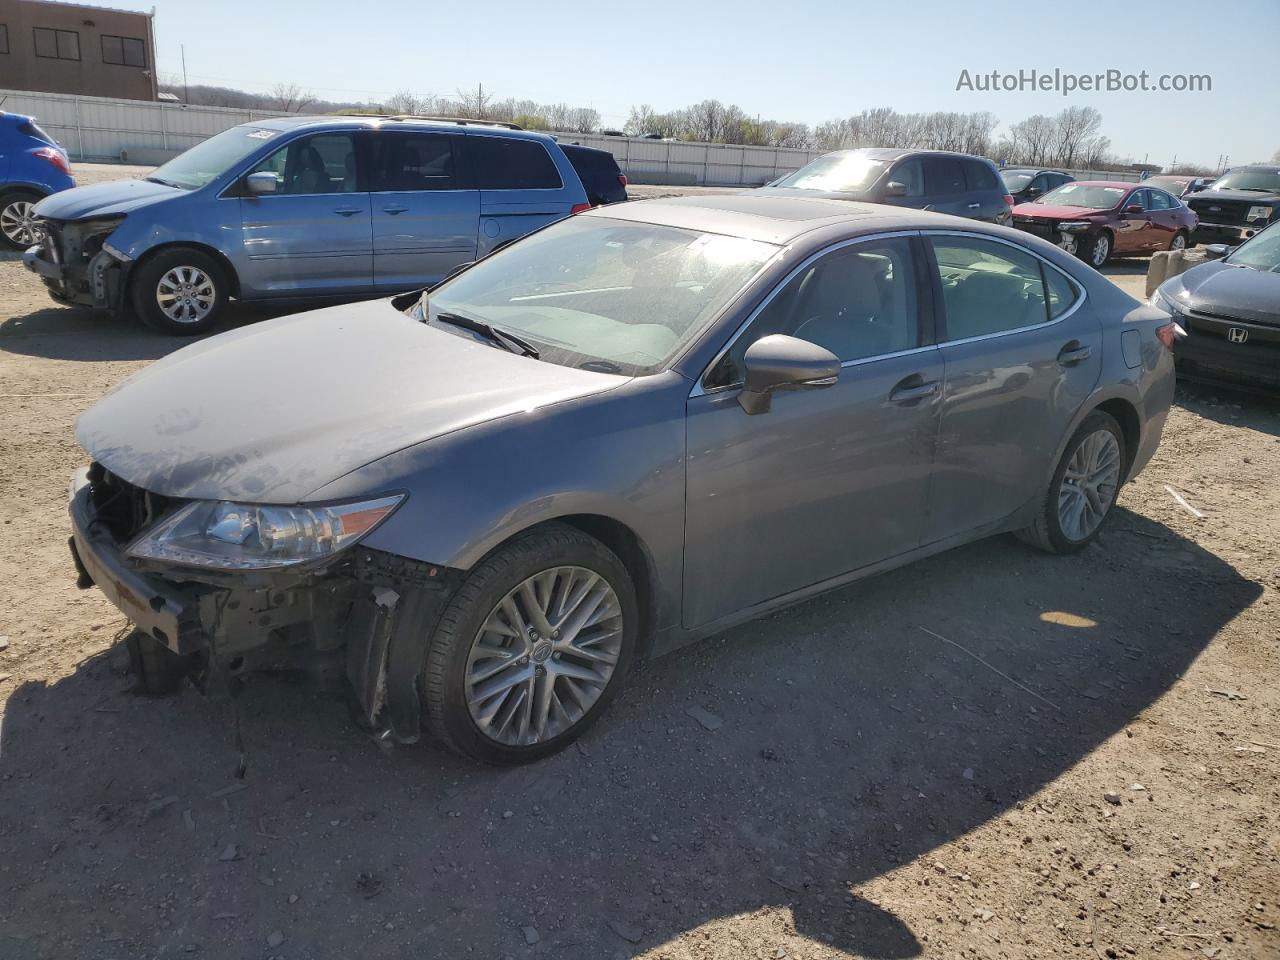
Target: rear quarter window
980	176
506	163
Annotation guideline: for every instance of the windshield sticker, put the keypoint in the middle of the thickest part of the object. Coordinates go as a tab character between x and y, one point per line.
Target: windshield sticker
262	135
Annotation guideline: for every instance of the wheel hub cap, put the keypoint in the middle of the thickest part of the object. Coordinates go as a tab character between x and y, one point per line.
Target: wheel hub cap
543	656
1089	485
186	294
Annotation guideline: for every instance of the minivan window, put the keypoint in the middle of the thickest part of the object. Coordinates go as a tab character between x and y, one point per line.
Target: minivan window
987	287
506	163
979	175
858	302
837	172
324	163
909	174
211	158
603	294
1015	180
942	175
414	161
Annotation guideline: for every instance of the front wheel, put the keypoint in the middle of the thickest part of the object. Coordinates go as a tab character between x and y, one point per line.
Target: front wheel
1096	251
181	291
532	647
1084	487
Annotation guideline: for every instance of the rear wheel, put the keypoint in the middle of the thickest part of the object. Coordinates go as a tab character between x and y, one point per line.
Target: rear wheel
1179	241
180	291
531	648
17	221
1084	487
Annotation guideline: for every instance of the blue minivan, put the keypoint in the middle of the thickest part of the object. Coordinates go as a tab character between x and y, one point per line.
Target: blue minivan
32	166
300	207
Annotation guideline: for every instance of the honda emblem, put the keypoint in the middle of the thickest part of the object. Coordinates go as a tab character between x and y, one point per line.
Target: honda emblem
1237	334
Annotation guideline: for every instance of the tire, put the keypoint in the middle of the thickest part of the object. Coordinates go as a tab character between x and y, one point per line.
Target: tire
1179	241
194	281
15	212
1048	531
476	728
1097	250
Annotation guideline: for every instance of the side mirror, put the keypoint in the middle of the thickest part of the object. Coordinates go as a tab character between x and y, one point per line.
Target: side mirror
1216	251
260	183
1134	208
895	188
779	362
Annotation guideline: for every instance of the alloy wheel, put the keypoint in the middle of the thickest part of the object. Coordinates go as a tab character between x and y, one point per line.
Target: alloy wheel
18	224
1101	250
186	294
1089	485
543	656
1179	242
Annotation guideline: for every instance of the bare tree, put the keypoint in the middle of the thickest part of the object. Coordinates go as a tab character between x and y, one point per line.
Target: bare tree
474	103
290	97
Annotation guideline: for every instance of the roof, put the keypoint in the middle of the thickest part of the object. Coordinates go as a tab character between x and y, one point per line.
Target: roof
1125	184
893	153
772	219
91	6
341	122
1265	167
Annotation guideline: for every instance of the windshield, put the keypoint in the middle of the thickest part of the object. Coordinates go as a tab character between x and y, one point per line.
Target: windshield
1084	195
837	172
211	158
1262	252
1264	180
1173	184
604	294
1015	180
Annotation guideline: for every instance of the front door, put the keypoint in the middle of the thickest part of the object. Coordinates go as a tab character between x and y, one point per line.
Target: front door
1133	228
828	480
944	184
1021	353
313	235
425	209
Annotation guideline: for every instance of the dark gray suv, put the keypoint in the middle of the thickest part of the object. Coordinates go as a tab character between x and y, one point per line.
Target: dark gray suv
954	183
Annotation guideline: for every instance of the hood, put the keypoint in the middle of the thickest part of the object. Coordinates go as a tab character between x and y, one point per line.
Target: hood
271	412
1054	211
1242	292
104	199
1254	196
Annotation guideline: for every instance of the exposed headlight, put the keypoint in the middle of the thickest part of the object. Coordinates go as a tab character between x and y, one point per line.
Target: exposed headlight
240	536
1074	226
1162	302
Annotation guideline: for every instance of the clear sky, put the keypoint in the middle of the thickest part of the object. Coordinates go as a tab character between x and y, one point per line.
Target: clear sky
805	61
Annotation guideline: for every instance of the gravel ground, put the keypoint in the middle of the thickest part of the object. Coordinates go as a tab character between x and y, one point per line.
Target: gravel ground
844	779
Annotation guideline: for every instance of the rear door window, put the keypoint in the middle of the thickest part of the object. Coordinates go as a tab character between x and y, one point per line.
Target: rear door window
1161	200
507	163
942	175
415	161
988	287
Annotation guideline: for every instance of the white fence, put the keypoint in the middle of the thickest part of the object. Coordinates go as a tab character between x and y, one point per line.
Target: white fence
140	131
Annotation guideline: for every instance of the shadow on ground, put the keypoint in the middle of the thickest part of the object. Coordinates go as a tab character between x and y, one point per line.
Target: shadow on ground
852	742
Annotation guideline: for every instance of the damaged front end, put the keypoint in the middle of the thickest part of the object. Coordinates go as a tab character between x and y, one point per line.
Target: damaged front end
77	263
364	610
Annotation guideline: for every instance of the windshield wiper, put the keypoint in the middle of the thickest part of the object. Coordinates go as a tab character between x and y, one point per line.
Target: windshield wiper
508	341
164	183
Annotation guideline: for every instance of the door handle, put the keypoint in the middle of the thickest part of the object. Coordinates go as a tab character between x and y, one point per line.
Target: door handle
974	206
346	211
1073	353
903	393
394	210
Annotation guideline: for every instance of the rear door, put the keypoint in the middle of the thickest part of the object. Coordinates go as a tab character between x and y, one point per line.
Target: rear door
986	193
522	187
426	211
1164	218
945	187
313	235
1022	351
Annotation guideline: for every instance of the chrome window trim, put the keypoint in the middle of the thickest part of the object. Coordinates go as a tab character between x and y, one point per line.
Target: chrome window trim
1081	291
699	391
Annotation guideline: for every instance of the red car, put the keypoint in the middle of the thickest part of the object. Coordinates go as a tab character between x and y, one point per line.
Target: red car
1096	219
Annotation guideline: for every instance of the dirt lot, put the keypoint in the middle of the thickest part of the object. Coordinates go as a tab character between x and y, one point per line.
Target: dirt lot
1103	782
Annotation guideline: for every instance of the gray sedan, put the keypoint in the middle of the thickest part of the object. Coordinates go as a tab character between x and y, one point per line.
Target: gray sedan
629	430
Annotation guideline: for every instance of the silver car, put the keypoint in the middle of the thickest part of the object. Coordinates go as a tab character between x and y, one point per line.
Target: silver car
633	428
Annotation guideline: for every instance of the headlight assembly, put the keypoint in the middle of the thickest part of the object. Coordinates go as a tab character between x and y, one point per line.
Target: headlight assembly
238	536
1074	226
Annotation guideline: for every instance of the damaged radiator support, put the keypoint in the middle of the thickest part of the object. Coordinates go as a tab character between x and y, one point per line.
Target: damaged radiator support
387	639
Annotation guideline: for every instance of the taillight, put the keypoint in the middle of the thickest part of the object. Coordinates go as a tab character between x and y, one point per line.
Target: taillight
579	208
1008	199
622	179
1170	333
54	157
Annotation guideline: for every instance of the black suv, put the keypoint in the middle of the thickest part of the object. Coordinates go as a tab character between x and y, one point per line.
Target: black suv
599	173
1024	184
954	183
1238	204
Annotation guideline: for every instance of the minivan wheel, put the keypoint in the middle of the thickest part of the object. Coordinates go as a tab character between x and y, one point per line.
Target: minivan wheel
1084	487
17	225
531	648
181	291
